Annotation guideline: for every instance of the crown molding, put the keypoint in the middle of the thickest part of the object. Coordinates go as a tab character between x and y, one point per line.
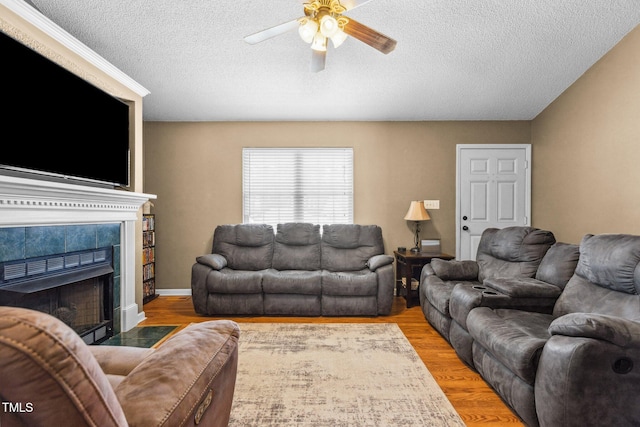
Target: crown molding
37	19
32	202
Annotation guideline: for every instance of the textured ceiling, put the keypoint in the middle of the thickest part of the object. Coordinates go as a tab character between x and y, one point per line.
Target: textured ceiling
455	59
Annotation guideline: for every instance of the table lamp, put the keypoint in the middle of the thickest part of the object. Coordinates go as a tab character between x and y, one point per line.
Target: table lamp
417	213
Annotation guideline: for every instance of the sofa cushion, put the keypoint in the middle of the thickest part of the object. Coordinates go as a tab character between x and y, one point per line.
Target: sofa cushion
228	281
515	338
559	264
292	282
297	247
348	247
298	234
245	246
512	251
580	295
353	283
606	280
611	261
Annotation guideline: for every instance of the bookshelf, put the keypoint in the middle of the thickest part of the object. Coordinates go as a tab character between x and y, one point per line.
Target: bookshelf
148	258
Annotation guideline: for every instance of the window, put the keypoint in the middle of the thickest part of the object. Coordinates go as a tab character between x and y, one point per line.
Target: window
312	185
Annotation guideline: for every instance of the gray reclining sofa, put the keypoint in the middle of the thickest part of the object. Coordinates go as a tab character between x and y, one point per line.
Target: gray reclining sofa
506	252
516	267
580	365
560	342
297	271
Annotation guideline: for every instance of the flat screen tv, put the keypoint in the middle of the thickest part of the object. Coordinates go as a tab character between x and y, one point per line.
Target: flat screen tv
57	125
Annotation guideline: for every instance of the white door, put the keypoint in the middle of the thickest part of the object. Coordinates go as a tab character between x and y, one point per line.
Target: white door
493	190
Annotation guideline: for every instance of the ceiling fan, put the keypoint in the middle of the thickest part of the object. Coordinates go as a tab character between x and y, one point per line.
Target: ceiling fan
324	21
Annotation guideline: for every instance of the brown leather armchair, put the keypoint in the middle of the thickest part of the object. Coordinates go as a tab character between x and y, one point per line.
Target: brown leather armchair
49	376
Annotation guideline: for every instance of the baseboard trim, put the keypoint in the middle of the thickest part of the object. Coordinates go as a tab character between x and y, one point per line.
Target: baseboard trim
174	292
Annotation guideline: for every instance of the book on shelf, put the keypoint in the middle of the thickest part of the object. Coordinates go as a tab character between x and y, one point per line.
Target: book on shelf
148	271
148	255
149	238
148	222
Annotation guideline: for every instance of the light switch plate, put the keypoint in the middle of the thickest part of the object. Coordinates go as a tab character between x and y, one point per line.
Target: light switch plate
432	204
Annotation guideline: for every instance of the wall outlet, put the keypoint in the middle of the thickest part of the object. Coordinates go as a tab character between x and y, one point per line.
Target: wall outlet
432	204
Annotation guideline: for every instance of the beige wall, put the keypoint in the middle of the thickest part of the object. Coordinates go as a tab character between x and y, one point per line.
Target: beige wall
585	145
586	151
195	169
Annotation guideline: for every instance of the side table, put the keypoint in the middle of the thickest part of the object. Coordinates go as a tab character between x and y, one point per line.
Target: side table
409	266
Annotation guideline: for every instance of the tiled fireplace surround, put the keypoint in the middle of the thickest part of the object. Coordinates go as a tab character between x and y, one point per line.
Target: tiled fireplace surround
39	218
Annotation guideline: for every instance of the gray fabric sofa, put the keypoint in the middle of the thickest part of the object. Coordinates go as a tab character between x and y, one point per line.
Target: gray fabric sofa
579	365
508	252
297	271
538	293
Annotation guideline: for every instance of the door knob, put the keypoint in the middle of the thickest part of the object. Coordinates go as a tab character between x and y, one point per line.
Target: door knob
464	218
465	228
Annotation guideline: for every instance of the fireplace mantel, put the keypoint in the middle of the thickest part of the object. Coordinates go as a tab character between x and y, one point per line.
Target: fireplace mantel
30	202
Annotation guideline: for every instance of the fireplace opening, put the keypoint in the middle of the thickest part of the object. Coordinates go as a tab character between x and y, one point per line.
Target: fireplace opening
76	288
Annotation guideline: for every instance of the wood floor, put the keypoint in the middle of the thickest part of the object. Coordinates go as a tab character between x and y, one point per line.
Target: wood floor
475	401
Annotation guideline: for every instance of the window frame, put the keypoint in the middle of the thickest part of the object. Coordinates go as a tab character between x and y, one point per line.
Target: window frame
284	168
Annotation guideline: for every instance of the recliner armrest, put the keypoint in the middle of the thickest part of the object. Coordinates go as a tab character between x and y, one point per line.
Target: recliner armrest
190	377
523	287
119	360
447	270
377	261
215	261
616	330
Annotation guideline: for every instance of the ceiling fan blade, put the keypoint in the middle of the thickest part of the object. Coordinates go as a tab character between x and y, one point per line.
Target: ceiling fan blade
370	36
318	59
272	32
352	4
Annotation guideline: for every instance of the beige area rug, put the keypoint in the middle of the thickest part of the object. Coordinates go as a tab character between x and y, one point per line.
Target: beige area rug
334	375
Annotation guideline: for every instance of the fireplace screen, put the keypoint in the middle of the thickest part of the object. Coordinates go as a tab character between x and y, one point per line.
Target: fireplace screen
76	288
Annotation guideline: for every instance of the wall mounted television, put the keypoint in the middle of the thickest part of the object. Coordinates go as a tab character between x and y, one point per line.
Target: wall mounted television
55	125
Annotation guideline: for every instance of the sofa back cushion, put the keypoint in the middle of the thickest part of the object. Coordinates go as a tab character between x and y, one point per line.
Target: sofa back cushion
559	264
348	247
607	278
245	246
512	251
297	247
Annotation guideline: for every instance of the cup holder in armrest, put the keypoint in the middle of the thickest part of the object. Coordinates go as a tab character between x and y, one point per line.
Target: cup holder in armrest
484	290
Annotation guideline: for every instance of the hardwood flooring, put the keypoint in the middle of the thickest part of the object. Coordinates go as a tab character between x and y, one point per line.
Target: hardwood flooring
475	401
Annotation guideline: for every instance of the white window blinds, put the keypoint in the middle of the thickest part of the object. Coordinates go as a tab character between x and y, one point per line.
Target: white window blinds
312	185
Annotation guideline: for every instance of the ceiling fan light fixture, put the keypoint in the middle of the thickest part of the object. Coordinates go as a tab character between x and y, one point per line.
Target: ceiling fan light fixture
307	30
329	26
323	21
319	42
338	38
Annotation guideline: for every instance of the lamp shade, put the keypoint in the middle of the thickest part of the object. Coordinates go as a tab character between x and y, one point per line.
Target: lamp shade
417	212
307	30
328	26
319	42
